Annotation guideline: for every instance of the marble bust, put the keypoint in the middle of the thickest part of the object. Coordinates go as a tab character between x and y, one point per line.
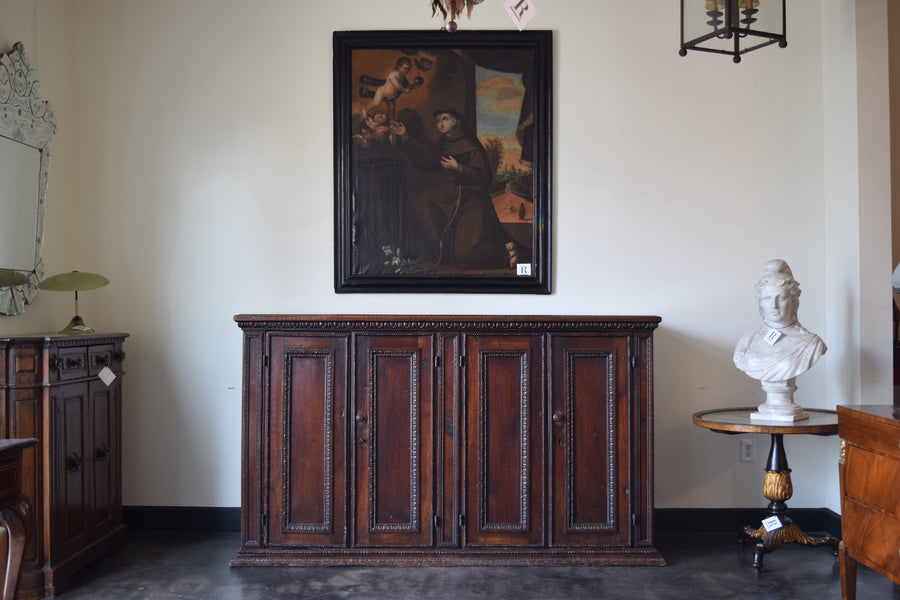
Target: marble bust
779	349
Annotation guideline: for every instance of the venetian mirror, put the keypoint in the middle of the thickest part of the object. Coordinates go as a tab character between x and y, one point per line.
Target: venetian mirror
26	126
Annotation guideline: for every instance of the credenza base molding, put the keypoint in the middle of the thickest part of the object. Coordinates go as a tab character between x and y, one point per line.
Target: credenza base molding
649	557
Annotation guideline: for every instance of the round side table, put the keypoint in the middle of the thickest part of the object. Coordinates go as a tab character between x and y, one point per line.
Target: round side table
777	480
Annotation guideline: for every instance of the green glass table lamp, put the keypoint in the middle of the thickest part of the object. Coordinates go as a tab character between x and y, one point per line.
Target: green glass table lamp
74	282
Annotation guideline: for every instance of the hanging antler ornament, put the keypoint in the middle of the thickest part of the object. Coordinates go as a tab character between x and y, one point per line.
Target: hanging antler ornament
452	8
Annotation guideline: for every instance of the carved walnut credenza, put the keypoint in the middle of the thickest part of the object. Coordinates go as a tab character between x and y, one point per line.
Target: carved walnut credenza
447	440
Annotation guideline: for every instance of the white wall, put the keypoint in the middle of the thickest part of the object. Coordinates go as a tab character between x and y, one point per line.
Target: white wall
193	168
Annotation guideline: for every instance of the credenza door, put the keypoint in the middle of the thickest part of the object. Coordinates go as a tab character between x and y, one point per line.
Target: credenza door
393	439
504	459
307	473
589	440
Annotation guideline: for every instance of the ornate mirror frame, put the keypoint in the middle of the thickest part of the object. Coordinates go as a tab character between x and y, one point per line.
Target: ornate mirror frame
26	119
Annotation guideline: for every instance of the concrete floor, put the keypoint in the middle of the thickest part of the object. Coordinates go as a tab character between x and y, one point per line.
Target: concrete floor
194	566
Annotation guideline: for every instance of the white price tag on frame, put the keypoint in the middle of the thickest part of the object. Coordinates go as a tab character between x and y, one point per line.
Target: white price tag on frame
523	269
772	523
521	11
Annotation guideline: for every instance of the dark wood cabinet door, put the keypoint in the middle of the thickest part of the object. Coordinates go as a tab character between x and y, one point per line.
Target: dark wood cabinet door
589	438
503	444
394	439
70	516
104	456
307	395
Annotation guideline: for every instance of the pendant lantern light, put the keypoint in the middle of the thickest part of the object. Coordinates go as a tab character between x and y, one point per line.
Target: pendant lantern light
732	27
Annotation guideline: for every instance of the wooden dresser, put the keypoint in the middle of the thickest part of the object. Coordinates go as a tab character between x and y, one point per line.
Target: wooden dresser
870	492
51	390
447	440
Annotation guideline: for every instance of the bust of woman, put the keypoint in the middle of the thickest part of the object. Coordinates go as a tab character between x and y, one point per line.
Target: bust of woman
780	348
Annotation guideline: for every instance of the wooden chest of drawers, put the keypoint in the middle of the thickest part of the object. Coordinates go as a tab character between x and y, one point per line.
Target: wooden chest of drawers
870	492
51	390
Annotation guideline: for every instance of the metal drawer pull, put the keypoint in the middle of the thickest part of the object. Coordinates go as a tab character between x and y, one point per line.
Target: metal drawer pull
103	453
74	463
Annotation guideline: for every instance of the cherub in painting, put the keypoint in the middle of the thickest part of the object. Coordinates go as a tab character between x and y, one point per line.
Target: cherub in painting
390	88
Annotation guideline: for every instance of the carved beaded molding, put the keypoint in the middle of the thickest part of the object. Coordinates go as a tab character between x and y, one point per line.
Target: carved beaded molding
465	324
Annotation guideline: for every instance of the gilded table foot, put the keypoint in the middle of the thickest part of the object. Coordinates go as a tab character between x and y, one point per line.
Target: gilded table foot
767	541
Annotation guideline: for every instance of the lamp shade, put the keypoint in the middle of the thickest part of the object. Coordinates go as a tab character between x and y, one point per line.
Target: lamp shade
732	27
73	282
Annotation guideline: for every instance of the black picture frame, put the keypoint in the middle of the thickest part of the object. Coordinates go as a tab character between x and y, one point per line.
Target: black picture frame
418	211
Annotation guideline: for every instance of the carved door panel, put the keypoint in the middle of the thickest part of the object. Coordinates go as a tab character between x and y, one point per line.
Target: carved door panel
504	457
69	505
589	438
307	459
104	453
394	440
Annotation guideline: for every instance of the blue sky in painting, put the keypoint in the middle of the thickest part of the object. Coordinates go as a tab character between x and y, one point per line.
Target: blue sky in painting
499	99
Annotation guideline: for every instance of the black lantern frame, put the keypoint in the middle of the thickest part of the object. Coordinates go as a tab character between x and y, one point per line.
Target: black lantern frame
725	30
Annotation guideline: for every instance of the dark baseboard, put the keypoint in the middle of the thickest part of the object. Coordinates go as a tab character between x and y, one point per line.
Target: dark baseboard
728	520
182	518
666	520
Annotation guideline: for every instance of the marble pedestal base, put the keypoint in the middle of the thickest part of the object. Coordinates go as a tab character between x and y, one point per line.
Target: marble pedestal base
779	405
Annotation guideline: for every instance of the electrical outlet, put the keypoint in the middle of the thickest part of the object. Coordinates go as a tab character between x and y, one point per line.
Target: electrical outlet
748	450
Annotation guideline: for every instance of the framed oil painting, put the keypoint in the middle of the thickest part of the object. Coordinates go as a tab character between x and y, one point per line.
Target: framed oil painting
442	152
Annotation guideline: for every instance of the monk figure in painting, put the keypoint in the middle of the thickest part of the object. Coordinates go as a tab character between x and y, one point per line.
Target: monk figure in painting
458	215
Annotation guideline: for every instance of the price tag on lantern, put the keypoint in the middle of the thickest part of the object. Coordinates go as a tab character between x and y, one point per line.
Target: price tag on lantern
521	11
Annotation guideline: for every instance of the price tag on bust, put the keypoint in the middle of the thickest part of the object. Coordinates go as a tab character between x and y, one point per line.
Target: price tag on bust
521	11
772	523
773	336
106	376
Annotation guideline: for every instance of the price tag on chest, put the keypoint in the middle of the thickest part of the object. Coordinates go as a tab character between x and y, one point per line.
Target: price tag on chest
106	376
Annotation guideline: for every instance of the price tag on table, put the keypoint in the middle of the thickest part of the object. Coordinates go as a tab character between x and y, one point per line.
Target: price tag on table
772	523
